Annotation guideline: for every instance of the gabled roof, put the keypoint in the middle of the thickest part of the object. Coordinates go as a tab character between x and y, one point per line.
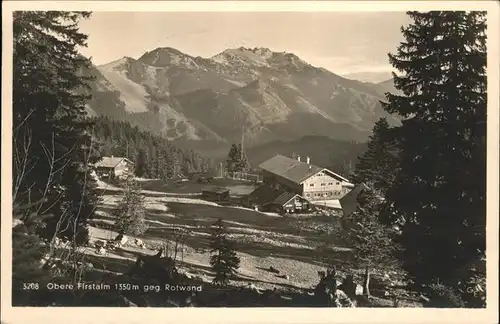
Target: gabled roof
290	169
110	161
265	195
294	170
338	176
284	198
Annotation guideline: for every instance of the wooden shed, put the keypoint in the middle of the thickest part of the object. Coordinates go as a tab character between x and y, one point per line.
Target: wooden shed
266	198
216	194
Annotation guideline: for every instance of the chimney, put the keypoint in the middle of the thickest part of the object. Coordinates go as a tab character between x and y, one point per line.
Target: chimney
298	158
308	160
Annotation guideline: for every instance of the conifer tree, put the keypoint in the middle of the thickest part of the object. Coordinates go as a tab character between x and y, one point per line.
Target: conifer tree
52	146
237	160
171	164
233	158
378	165
130	213
141	163
225	261
28	276
439	193
371	240
243	165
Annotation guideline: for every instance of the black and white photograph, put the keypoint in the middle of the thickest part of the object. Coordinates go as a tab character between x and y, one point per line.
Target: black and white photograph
210	158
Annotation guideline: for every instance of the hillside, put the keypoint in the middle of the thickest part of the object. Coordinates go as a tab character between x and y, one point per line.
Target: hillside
323	151
372	77
267	95
155	157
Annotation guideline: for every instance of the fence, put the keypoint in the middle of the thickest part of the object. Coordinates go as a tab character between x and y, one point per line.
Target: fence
244	176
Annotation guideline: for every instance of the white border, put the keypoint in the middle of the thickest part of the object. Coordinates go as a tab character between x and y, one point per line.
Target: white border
251	315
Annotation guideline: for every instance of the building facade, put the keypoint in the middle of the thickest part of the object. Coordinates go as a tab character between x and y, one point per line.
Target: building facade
323	185
312	182
114	167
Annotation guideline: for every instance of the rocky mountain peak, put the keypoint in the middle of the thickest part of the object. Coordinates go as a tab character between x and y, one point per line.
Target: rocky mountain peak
276	94
166	57
241	56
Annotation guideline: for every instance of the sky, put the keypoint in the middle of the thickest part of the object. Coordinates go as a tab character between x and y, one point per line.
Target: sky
342	42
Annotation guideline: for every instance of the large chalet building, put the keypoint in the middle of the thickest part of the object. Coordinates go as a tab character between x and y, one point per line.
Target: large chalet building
305	181
308	180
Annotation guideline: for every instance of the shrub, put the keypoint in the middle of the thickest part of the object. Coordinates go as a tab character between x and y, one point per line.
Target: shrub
442	296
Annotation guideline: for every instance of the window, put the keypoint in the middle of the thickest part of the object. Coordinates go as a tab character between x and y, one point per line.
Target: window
311	185
338	183
323	184
331	183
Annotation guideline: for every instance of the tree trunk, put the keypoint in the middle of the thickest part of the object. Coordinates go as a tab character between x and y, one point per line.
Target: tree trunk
366	283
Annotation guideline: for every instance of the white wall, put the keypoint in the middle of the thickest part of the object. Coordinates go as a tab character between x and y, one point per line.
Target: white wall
322	186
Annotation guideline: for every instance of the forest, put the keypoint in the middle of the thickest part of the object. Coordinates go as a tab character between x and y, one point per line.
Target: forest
154	156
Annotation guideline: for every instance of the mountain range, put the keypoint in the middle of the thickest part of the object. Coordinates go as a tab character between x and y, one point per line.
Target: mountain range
322	151
371	77
253	94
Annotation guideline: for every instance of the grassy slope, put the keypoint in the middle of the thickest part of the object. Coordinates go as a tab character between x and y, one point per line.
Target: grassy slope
289	244
262	239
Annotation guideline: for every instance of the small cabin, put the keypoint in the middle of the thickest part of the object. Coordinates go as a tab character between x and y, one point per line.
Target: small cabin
266	198
112	167
216	194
